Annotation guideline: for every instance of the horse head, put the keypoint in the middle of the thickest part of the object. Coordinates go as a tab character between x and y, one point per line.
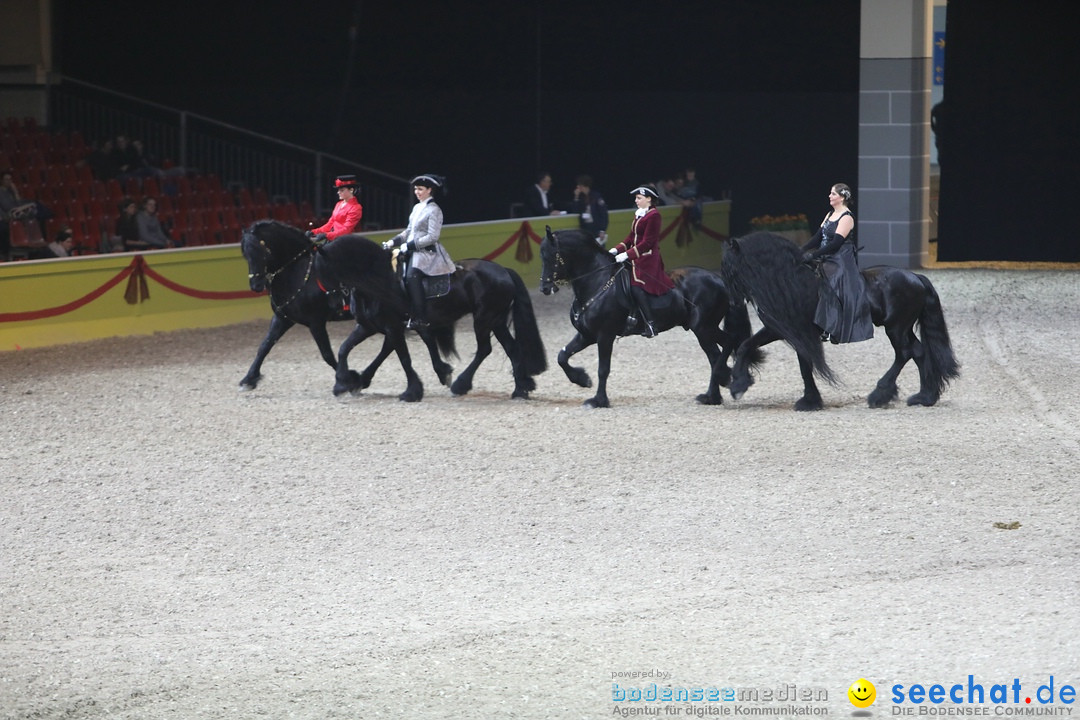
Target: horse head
550	262
269	246
256	255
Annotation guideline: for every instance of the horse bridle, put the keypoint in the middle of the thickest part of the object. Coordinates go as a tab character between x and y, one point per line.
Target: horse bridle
559	262
269	276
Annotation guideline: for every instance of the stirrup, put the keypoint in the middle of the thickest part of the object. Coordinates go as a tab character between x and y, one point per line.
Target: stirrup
649	331
411	324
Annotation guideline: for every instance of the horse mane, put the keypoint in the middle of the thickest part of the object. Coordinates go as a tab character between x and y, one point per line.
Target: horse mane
766	270
360	264
276	233
575	238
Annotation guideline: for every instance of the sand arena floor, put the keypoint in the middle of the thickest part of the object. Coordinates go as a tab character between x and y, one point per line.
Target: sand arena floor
173	548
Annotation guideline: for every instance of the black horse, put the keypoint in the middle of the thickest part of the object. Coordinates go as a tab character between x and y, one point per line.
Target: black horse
767	270
299	277
699	302
494	295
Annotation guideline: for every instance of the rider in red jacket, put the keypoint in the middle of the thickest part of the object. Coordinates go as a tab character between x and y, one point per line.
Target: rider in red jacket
346	216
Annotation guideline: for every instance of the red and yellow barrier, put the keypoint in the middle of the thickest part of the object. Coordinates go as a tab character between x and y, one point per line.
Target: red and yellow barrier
51	302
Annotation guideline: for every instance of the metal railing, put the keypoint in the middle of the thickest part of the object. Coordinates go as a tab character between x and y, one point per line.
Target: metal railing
238	157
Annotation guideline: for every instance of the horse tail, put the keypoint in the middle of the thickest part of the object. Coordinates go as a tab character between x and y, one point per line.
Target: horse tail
941	365
444	338
530	346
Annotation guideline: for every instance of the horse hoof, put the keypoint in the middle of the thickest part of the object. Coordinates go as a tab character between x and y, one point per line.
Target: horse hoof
593	403
246	387
520	395
710	399
804	405
410	397
460	388
921	399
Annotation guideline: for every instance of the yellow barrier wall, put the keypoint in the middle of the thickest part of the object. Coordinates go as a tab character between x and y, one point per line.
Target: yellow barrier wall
51	302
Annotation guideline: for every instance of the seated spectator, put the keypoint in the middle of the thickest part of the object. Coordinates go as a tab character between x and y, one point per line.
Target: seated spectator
690	192
15	208
149	226
126	159
537	198
665	188
102	163
61	246
592	208
127	229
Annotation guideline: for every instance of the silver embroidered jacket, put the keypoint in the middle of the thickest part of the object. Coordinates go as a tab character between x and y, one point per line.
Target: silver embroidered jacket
425	224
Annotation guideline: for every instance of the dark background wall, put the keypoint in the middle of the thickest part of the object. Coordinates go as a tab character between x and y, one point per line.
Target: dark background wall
762	98
1009	144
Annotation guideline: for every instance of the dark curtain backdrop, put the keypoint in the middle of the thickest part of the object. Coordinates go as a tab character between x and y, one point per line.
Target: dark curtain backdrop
1009	133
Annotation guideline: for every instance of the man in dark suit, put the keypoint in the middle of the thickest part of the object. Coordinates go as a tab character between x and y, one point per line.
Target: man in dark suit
537	198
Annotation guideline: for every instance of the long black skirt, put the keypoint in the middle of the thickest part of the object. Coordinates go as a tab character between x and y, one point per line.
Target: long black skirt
843	309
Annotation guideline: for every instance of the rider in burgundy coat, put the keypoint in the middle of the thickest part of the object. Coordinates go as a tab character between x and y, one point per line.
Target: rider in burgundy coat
642	248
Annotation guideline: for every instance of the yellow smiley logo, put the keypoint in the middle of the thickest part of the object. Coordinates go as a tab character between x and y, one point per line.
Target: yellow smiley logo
862	693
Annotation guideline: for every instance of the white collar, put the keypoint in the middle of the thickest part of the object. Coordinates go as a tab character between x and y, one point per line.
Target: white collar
640	212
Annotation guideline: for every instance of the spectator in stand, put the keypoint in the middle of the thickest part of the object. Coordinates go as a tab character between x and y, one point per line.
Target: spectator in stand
149	225
126	159
665	188
346	215
127	229
102	163
537	198
690	193
61	246
590	205
16	208
14	205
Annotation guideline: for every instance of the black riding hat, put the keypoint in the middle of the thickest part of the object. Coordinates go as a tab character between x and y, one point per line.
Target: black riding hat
346	181
647	190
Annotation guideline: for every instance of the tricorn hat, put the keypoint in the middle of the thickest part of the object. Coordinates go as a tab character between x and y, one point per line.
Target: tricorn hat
646	190
430	180
346	181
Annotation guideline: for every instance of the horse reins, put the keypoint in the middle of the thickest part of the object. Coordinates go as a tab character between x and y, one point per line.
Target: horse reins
269	276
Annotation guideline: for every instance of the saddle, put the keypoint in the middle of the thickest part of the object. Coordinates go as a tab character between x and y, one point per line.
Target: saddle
660	306
436	285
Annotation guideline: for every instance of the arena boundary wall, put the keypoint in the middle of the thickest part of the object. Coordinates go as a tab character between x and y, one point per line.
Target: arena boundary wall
53	302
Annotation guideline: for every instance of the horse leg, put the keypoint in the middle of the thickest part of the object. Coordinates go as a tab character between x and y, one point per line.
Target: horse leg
523	382
811	399
322	340
414	389
463	384
718	373
929	392
741	379
443	370
346	380
574	374
903	342
604	345
369	372
278	327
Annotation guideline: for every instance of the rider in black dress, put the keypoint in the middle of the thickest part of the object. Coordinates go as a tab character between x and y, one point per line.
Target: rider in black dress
843	311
